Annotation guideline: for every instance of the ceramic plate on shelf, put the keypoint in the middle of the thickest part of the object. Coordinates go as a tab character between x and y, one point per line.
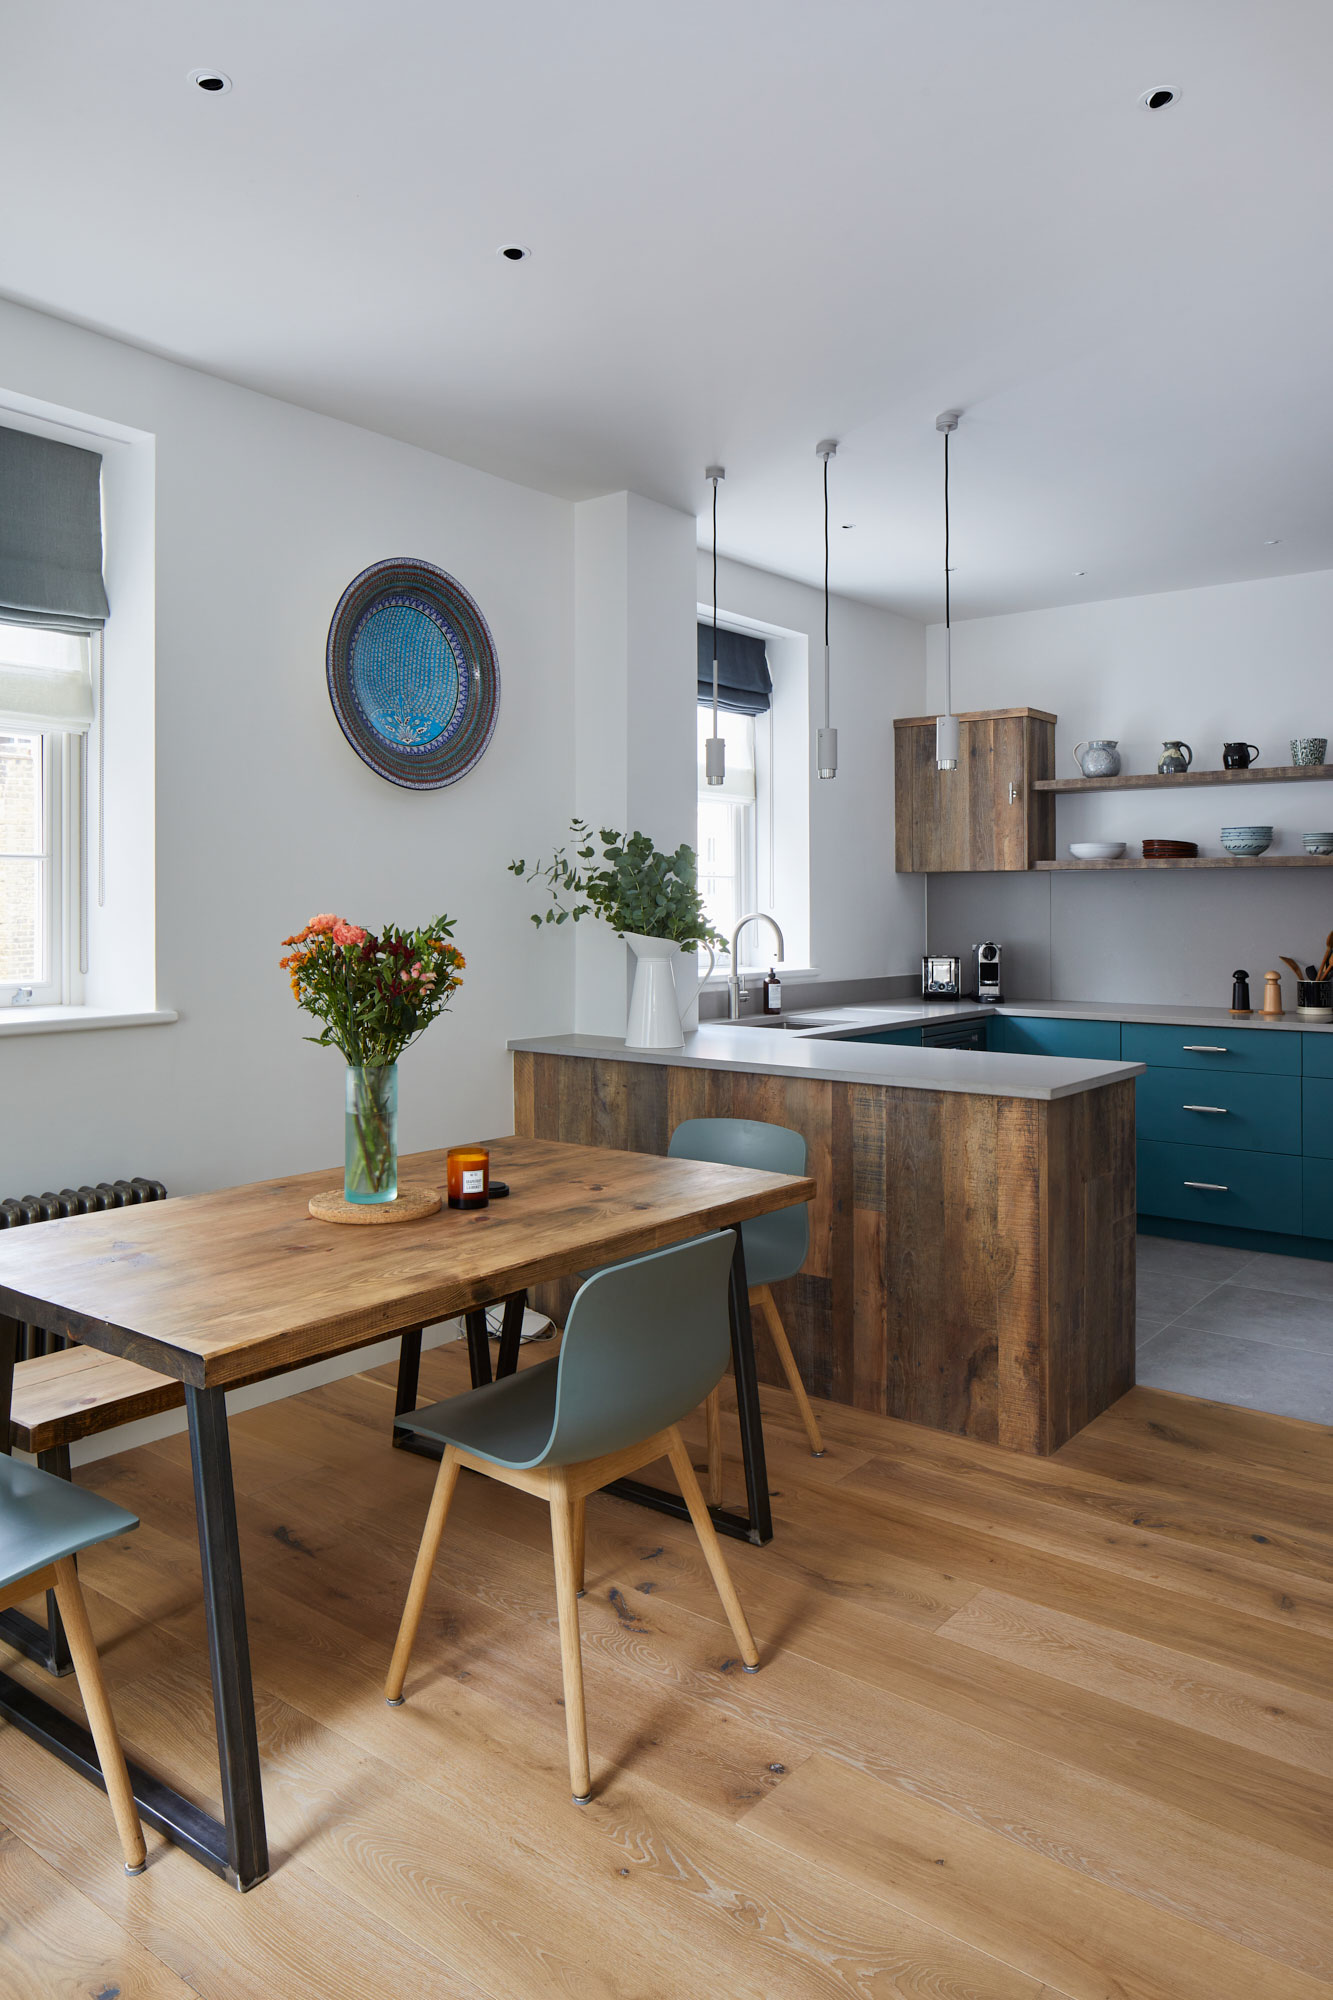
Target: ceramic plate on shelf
412	673
1170	850
1096	850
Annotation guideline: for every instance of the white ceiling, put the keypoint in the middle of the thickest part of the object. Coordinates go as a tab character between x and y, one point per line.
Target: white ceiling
755	223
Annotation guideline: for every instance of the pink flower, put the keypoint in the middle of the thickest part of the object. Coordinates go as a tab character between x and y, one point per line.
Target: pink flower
416	970
347	933
324	923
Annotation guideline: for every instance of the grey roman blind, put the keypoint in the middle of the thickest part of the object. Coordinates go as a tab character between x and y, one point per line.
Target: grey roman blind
744	683
50	533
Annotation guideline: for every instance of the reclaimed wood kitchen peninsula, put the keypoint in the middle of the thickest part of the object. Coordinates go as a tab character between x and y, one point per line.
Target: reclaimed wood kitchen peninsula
971	1260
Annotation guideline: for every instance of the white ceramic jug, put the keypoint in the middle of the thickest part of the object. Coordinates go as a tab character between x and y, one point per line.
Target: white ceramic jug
666	984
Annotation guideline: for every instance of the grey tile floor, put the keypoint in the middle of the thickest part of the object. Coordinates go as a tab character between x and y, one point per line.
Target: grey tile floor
1236	1326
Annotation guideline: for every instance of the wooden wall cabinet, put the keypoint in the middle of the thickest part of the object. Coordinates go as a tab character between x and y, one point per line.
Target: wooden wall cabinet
985	816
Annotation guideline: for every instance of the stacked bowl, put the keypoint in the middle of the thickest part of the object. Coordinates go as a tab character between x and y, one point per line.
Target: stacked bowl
1318	843
1247	840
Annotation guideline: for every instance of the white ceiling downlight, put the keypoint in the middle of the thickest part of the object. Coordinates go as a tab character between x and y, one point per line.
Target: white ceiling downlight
1160	96
214	81
514	253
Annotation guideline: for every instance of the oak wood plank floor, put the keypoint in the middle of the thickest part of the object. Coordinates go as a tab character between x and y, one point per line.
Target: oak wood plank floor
1026	1730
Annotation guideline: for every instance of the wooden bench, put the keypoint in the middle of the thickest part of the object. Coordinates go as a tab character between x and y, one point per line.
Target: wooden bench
58	1399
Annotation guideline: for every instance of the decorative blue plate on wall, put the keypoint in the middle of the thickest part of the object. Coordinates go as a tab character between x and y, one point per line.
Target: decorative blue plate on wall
413	677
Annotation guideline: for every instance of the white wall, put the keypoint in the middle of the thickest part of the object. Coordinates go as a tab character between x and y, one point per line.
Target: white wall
265	815
634	760
865	921
1240	660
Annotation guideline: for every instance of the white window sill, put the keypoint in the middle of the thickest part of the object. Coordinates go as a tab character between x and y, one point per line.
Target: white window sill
64	1020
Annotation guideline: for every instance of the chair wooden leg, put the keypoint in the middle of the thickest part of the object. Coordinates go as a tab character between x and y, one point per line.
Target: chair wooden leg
571	1658
761	1296
421	1575
101	1722
712	1548
579	1514
713	1419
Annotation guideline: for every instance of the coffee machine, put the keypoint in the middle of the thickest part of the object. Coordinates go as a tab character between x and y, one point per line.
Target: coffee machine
986	973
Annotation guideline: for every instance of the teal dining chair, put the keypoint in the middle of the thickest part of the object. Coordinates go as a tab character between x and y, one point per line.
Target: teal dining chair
44	1522
644	1343
775	1245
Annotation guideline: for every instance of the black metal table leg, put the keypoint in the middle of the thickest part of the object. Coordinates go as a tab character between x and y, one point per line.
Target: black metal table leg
228	1641
409	1375
478	1347
9	1347
511	1333
756	1525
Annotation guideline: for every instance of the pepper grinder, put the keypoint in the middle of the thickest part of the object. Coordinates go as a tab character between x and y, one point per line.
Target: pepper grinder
1273	994
1240	993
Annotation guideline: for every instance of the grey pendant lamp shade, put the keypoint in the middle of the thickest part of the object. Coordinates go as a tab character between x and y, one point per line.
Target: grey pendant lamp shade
946	725
826	743
715	748
50	533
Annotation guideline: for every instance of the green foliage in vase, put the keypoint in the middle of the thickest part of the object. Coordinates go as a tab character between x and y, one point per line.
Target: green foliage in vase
633	887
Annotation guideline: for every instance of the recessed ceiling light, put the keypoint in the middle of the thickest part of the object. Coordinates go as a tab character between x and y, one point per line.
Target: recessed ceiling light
514	253
849	524
1273	544
214	81
1158	98
1080	572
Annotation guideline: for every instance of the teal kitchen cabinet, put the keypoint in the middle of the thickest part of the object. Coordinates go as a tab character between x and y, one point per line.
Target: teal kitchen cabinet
1317	1196
1042	1035
1317	1054
1227	1189
1255	1051
1237	1111
907	1038
1317	1123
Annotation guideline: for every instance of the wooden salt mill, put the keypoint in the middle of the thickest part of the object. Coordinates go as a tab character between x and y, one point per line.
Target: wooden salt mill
1273	994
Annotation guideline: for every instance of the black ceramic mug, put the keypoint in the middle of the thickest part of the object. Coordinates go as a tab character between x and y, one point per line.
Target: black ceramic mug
1238	756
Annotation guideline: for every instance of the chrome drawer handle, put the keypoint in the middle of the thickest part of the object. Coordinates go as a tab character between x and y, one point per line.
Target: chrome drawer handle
1203	1049
1220	1109
1214	1187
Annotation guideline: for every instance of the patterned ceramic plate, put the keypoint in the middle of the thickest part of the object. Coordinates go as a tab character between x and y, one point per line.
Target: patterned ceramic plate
413	677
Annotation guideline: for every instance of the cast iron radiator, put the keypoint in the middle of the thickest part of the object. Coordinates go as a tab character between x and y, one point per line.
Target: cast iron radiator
19	1210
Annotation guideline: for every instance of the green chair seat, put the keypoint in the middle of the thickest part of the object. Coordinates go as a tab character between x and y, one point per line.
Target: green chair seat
43	1518
644	1343
776	1245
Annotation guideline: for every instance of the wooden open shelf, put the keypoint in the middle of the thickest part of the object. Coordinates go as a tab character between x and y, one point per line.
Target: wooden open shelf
1143	781
1203	861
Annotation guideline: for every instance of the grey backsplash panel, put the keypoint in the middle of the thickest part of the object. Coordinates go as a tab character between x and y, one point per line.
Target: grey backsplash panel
1172	935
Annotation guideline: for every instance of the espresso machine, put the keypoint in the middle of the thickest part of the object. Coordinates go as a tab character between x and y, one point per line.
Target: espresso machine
986	973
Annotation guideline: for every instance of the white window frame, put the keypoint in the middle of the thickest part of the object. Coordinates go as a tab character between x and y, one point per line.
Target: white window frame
65	761
749	819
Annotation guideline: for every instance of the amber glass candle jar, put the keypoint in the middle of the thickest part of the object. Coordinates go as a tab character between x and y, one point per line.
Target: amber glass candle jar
469	1175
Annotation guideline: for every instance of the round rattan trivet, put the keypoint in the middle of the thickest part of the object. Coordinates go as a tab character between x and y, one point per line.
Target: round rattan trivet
414	1201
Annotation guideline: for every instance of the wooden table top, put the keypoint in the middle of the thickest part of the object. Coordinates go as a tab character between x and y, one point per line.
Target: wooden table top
225	1288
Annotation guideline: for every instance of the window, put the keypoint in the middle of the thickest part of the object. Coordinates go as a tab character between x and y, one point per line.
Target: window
45	706
728	841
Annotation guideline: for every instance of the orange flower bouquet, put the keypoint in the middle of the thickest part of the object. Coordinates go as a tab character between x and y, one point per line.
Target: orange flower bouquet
374	995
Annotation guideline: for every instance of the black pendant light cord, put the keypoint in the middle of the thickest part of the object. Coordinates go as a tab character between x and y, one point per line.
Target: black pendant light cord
946	531
826	561
715	607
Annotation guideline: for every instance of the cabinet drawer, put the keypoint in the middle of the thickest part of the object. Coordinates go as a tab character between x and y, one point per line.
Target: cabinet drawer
1256	1114
1317	1122
1318	1178
1267	1052
1210	1184
1039	1035
1317	1055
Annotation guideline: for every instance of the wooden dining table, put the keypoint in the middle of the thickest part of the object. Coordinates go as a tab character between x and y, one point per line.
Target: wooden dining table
224	1289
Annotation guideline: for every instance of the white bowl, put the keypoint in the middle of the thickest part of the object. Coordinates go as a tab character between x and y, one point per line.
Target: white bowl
1096	850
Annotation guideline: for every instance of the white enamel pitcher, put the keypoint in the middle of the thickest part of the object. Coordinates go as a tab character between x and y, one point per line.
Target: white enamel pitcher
666	985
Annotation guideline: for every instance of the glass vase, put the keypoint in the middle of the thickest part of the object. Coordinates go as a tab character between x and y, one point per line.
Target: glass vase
370	1167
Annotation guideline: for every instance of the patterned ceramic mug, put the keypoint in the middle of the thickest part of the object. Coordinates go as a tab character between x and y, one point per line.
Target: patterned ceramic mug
1308	749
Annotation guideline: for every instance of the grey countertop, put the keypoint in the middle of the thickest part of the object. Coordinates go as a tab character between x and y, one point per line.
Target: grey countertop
810	1050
